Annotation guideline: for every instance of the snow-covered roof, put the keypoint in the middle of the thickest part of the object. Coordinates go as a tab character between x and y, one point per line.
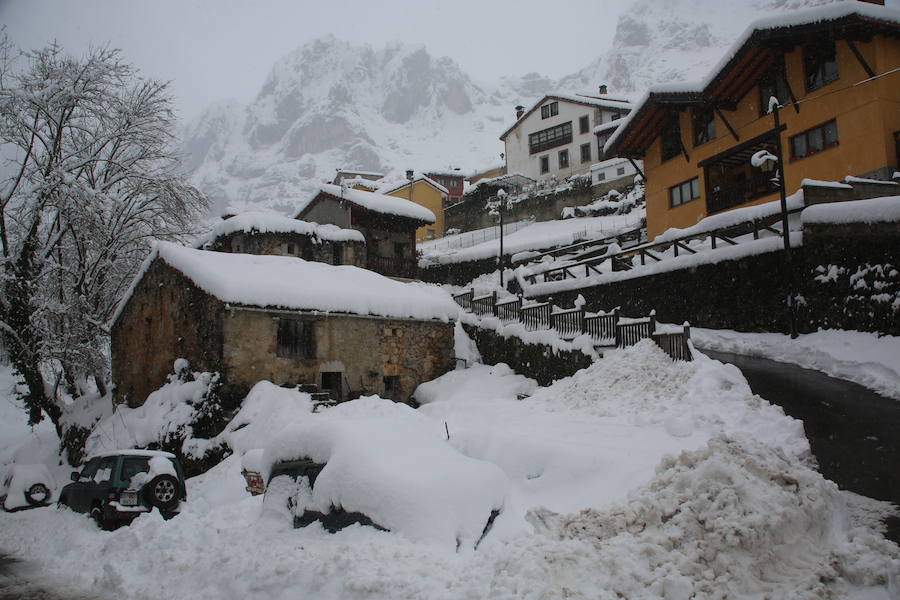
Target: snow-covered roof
292	283
692	91
422	178
262	222
615	104
606	126
360	173
376	202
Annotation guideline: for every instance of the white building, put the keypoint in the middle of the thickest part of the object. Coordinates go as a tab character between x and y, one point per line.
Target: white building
611	170
556	136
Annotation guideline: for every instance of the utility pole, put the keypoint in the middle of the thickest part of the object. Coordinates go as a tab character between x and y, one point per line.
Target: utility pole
501	196
785	229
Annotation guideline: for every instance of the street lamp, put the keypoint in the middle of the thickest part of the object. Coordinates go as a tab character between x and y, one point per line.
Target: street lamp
501	198
774	107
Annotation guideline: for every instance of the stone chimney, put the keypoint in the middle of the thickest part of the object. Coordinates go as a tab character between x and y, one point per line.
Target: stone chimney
520	110
602	89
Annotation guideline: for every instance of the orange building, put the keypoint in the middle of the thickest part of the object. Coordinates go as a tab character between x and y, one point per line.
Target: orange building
836	73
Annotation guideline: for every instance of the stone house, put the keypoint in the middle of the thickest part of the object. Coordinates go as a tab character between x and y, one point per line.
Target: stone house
426	192
250	318
265	233
387	223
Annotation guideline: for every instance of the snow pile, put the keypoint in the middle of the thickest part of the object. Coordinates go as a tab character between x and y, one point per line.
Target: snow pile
390	463
284	282
167	415
263	222
734	519
266	410
875	210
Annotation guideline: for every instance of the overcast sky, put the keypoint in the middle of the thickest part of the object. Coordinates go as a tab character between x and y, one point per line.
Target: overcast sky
218	49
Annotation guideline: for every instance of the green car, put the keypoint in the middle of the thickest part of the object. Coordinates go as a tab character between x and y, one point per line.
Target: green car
116	487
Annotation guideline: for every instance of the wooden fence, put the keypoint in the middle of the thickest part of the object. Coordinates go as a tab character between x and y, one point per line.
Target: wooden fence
604	328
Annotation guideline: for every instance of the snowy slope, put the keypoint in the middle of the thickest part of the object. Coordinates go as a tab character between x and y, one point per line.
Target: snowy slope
331	104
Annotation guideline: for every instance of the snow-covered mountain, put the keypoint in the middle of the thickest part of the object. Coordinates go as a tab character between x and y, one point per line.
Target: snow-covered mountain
331	104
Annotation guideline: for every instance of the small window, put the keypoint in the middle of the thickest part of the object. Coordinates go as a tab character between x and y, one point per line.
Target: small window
684	192
545	164
812	141
671	140
616	116
774	84
704	126
295	339
391	386
550	110
601	176
563	159
585	153
620	171
601	141
429	234
583	124
337	254
820	64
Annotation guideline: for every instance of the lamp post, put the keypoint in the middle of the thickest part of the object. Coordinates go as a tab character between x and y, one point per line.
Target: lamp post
501	197
765	159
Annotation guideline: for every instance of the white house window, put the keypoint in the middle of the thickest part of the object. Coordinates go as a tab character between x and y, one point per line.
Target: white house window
585	153
550	138
583	124
545	164
563	159
550	110
620	171
601	175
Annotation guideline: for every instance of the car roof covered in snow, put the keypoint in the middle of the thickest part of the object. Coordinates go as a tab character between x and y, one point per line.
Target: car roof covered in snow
286	282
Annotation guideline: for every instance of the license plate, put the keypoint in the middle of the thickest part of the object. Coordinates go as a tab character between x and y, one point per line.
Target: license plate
128	499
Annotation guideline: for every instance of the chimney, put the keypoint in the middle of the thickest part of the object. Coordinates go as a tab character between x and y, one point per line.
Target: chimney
602	89
520	110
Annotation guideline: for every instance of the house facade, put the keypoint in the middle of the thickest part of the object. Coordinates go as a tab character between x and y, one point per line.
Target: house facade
250	318
555	138
831	70
264	233
430	194
454	181
388	224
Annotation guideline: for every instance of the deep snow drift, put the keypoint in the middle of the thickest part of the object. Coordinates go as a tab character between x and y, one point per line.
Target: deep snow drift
638	477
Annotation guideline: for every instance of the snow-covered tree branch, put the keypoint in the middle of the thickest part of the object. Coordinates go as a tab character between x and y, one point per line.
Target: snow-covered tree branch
88	178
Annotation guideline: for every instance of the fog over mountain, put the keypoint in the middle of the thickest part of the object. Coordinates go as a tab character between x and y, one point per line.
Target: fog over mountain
331	104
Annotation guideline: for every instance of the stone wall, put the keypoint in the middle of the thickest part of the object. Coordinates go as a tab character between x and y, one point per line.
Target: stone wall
541	363
293	244
847	276
166	318
365	350
471	213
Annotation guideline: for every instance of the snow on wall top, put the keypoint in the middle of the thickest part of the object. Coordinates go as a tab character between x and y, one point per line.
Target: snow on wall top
262	222
295	284
874	210
381	203
829	12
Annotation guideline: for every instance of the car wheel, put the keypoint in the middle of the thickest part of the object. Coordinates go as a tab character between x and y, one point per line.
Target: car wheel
163	492
99	519
37	494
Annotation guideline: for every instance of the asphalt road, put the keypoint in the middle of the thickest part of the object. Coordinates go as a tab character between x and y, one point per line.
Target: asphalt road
853	432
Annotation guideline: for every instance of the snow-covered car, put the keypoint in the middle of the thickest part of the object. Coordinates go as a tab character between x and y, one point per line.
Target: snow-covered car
116	487
26	486
399	475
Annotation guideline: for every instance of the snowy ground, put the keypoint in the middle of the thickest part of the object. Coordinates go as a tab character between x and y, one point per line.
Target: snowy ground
865	358
636	478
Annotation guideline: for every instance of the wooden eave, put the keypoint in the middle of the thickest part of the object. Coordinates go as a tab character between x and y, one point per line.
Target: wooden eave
651	118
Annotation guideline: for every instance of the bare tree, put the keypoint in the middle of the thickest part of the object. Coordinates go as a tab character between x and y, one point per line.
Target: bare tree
89	178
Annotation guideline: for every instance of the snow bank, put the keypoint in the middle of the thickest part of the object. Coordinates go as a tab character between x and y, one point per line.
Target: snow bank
734	519
285	282
874	210
396	469
868	359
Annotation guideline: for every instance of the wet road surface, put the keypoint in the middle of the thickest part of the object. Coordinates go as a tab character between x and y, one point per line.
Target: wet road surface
18	582
853	432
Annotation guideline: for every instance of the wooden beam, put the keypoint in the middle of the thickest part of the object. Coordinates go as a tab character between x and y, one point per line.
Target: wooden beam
637	168
734	134
861	59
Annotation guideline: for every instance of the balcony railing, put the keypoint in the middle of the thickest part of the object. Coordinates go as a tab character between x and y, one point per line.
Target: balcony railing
758	185
392	266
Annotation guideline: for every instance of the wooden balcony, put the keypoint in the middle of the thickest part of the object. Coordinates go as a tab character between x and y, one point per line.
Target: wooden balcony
392	266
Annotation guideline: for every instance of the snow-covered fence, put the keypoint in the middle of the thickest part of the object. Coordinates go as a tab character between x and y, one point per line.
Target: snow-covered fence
604	328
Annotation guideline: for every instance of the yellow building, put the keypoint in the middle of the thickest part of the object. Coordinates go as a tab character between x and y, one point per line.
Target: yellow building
835	73
430	194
